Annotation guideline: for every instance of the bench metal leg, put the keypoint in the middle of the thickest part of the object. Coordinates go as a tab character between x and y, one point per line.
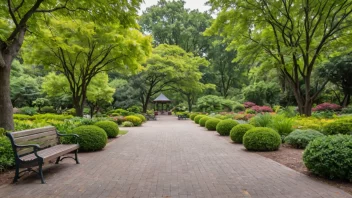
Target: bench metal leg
57	160
40	173
17	174
76	157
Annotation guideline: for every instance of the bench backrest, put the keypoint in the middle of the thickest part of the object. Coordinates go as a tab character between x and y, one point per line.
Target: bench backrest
44	137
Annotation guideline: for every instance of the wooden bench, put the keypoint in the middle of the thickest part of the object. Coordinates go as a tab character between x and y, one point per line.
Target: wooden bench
35	147
182	117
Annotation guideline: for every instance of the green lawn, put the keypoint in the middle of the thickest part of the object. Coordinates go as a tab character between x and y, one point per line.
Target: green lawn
123	132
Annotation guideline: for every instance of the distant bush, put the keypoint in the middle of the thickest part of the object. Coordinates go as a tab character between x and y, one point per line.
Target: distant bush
203	120
327	107
193	115
127	124
300	138
111	128
261	120
330	157
261	139
28	110
211	124
71	111
342	126
249	104
118	119
47	109
260	109
141	117
224	127
347	110
238	132
238	108
121	112
135	109
22	117
198	117
49	116
135	120
91	138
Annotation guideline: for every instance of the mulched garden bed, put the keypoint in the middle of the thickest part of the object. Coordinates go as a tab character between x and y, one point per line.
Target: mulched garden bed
292	158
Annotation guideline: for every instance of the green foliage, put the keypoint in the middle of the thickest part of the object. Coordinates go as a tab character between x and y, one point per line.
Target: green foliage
330	157
7	158
198	117
224	127
209	103
127	124
193	115
282	125
300	138
261	139
111	128
261	120
239	108
347	110
135	109
343	126
22	117
91	138
47	109
135	120
142	117
203	120
211	124
238	132
262	93
28	110
50	116
24	90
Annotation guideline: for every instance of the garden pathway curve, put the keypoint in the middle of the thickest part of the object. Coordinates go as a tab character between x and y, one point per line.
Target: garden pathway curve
173	159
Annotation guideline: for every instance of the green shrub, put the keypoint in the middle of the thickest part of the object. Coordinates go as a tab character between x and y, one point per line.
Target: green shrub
127	124
198	117
50	116
135	109
238	108
91	138
300	138
122	112
28	110
141	117
111	128
193	115
47	109
203	120
261	139
261	120
7	158
211	124
22	117
135	120
282	125
343	126
224	127
238	132
71	111
330	156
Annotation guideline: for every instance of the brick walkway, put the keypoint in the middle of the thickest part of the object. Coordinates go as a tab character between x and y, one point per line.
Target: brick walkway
171	158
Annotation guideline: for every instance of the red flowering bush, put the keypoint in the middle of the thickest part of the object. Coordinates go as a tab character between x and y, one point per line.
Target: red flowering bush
327	107
260	109
249	104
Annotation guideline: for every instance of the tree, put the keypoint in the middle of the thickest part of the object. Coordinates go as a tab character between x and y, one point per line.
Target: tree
17	17
99	93
81	50
262	93
339	71
171	23
292	36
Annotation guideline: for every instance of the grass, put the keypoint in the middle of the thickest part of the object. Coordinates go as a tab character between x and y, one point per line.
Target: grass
123	132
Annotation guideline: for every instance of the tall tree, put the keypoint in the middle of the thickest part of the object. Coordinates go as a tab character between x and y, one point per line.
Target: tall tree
81	50
291	35
171	23
17	17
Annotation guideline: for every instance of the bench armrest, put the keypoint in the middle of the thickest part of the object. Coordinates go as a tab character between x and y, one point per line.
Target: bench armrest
67	135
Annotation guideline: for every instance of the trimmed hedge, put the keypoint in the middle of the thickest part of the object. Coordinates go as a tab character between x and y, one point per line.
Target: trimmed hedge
142	117
134	119
262	139
91	138
111	128
330	156
203	120
211	124
224	127
193	115
238	132
198	117
301	138
343	126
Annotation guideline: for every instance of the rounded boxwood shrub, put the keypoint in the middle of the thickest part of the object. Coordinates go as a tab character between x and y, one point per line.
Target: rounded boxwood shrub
134	119
198	117
203	120
111	128
300	138
211	124
142	117
91	138
238	132
330	156
193	115
338	127
127	124
224	127
261	139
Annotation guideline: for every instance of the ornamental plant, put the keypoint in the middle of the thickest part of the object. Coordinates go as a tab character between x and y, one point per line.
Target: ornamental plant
237	132
301	138
198	117
261	139
343	126
212	123
260	109
249	104
203	120
91	138
327	107
134	119
111	128
224	127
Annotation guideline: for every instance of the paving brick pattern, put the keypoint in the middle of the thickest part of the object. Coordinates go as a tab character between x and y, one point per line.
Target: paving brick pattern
172	159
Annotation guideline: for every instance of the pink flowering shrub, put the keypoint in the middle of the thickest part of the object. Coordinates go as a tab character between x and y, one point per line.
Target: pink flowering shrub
260	109
249	104
327	107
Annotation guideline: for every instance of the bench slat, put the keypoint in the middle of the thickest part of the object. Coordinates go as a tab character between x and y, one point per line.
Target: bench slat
52	152
32	131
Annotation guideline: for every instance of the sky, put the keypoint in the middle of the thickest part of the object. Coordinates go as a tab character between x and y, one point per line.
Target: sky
192	4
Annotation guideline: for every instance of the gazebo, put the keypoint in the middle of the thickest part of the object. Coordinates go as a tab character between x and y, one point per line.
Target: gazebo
161	99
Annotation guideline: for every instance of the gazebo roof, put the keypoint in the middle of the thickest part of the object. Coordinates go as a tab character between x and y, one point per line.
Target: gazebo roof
161	98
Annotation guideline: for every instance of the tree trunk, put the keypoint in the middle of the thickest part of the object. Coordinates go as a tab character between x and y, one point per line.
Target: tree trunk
6	108
346	100
189	101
